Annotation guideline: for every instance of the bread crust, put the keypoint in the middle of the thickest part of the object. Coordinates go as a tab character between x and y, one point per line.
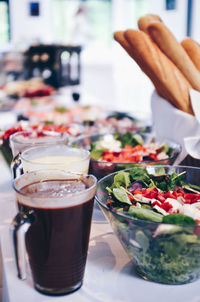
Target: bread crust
119	37
193	50
166	41
144	21
166	77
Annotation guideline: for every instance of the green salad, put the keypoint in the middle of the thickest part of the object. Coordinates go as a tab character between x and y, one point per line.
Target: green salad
128	148
157	219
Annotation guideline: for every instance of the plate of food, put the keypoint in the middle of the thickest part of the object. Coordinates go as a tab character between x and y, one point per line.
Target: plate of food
34	87
24	105
116	151
60	113
115	121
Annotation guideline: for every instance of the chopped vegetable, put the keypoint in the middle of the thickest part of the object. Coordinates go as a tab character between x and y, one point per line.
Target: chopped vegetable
127	148
162	235
167	194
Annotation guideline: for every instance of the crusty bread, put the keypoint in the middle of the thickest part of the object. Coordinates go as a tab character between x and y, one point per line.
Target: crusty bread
167	78
193	50
164	38
144	21
119	37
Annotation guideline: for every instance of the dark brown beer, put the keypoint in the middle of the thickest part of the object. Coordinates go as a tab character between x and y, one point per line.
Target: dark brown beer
57	240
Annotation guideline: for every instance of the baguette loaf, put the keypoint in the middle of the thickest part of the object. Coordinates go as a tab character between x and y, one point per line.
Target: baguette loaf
193	50
163	37
119	37
143	22
166	77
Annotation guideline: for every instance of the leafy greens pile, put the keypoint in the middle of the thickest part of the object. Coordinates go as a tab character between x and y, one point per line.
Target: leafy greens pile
162	181
162	253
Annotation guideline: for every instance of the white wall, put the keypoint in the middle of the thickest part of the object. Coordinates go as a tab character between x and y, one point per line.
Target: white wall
196	21
25	28
121	14
176	20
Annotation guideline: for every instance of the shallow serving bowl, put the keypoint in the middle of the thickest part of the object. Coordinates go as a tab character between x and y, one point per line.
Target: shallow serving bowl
10	140
171	256
102	168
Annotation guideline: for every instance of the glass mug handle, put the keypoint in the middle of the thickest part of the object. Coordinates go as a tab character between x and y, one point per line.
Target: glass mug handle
16	166
19	227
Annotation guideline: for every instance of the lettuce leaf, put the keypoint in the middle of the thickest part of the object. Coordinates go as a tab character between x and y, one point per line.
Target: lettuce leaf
179	219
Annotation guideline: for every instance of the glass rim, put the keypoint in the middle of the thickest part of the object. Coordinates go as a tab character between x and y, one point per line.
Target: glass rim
132	218
24	153
60	136
56	170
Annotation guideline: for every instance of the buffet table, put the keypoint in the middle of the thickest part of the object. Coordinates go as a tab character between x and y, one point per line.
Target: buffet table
109	275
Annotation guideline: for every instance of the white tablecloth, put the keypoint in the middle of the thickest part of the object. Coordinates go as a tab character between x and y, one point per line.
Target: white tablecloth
109	275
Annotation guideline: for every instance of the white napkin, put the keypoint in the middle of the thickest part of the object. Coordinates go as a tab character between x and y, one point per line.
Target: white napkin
176	125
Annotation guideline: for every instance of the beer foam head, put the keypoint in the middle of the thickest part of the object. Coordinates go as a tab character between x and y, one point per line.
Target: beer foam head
54	189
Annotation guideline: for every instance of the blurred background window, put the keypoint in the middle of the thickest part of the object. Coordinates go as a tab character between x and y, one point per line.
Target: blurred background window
4	21
82	22
170	4
91	22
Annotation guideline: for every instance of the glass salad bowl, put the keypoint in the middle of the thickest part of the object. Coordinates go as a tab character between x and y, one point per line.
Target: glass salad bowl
114	152
164	245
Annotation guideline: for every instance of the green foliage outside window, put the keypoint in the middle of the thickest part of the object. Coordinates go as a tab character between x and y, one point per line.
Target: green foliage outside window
98	18
4	27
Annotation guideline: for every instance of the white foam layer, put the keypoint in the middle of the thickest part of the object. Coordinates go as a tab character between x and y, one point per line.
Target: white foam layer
54	188
36	189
